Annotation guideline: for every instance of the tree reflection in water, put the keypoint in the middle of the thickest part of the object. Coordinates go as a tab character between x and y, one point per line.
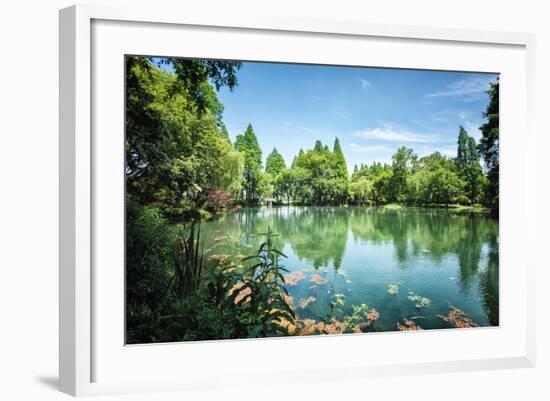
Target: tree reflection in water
320	237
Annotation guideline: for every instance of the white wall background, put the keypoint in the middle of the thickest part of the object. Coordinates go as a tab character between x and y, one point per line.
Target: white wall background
29	199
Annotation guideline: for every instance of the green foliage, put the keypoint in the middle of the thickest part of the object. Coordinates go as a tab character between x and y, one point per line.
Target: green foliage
181	167
340	160
469	168
435	181
265	186
316	177
361	190
194	74
180	160
318	148
489	146
275	163
264	306
188	260
402	162
247	144
176	149
183	297
148	262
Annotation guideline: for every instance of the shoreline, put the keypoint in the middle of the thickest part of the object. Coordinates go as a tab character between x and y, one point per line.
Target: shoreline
477	209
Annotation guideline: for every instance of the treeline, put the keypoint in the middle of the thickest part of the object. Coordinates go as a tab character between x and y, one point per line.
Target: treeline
319	176
429	180
181	166
180	159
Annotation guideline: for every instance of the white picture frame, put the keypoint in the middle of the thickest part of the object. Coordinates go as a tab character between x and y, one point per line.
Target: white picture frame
84	355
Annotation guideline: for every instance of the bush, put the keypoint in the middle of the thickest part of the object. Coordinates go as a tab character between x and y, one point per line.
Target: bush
148	261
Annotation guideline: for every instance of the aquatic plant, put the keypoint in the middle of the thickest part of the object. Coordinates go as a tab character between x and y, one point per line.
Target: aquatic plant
393	288
303	303
458	318
338	301
419	301
263	300
408	325
318	279
294	278
360	321
242	292
188	259
362	318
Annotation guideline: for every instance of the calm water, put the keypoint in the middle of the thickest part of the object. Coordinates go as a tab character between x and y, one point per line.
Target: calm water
448	258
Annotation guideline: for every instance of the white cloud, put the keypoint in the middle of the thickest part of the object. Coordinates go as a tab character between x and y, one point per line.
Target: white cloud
425	150
394	133
370	148
365	84
444	116
448	151
468	89
463	114
472	127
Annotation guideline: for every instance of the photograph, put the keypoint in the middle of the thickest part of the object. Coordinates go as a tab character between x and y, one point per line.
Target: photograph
270	199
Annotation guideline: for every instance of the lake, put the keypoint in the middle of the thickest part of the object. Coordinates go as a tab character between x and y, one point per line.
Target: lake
356	253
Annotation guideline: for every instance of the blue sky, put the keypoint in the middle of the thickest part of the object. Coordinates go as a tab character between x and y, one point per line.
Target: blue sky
373	111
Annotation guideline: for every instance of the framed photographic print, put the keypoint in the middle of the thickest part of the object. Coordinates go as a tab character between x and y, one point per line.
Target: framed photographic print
349	197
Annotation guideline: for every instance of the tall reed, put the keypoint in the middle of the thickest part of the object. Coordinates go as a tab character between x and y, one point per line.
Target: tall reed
188	259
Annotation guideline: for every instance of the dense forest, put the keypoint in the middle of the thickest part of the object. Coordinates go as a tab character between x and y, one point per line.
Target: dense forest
182	167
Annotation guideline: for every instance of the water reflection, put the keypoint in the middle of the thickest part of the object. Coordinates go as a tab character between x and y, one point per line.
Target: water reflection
330	237
489	281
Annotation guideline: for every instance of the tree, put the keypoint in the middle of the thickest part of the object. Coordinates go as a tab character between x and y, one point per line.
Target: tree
361	190
231	169
401	163
224	133
318	147
196	75
340	159
469	168
265	186
489	146
342	167
318	178
284	184
274	163
247	143
383	185
462	154
174	154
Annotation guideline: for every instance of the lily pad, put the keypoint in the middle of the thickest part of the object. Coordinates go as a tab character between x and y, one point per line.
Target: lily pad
393	288
419	301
